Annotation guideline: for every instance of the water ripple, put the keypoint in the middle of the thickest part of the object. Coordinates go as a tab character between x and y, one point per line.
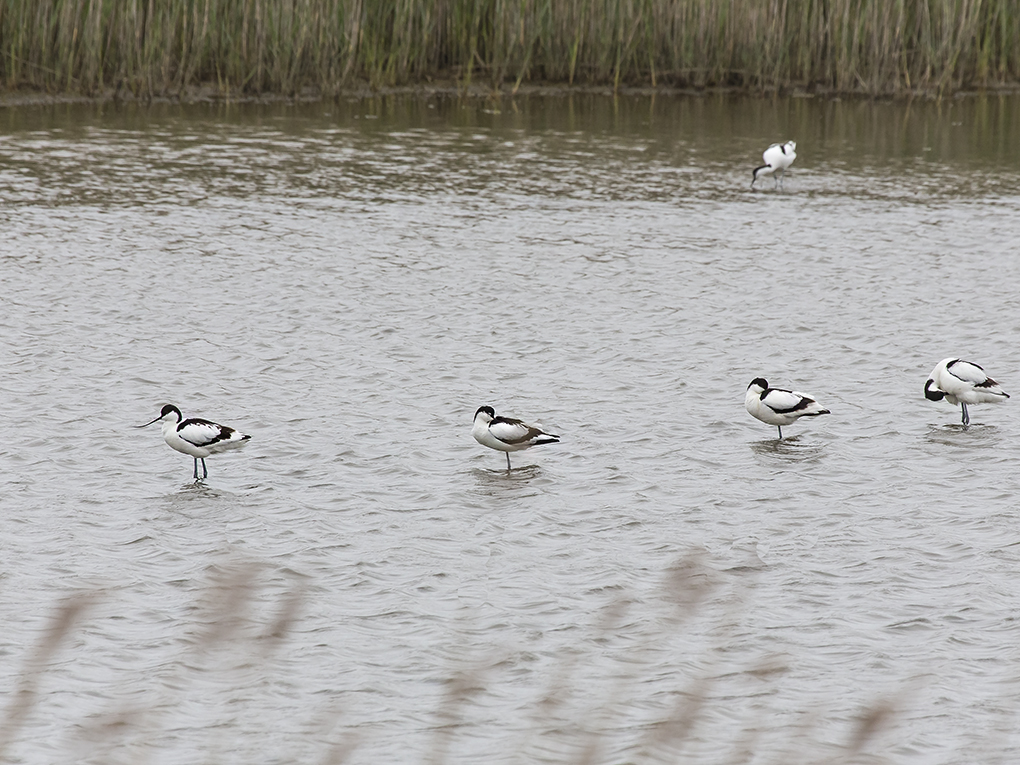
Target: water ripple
670	581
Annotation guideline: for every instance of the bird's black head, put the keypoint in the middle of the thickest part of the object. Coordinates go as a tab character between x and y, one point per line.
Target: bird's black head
931	392
487	410
167	409
761	382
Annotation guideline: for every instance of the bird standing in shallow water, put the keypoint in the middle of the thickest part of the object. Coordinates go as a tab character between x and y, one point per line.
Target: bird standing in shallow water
777	406
507	435
196	438
777	158
962	382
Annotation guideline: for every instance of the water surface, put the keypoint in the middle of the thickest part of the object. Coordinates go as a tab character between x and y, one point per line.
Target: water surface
364	583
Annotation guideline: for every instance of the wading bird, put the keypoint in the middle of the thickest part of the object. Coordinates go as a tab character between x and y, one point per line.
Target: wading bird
777	158
507	435
962	382
196	438
779	407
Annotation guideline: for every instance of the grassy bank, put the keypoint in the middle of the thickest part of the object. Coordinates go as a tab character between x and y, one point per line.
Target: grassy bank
162	47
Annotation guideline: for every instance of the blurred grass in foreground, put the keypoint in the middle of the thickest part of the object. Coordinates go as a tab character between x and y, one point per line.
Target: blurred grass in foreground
637	685
147	48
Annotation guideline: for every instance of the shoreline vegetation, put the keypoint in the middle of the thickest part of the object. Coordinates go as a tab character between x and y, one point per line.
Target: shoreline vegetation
202	49
247	619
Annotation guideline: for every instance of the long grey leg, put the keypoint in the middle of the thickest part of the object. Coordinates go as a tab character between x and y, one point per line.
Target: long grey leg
507	461
196	468
780	432
205	470
966	416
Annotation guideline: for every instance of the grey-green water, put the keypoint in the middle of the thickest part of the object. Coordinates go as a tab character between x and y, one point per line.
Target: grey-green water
363	583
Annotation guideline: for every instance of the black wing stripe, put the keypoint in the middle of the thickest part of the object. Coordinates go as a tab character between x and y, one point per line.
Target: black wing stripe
223	433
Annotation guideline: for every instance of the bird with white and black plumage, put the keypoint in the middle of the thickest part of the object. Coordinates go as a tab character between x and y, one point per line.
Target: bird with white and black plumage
196	437
777	406
506	434
962	382
777	158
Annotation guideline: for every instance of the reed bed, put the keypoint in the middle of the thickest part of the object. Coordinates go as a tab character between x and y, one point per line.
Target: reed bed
148	48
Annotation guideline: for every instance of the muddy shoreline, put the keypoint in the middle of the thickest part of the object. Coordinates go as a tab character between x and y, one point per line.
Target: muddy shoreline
210	93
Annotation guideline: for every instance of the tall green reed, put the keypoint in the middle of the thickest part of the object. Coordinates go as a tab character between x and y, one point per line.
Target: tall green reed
161	47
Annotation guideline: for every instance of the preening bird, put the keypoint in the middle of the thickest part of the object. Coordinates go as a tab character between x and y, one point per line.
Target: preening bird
777	158
962	382
779	407
196	438
506	434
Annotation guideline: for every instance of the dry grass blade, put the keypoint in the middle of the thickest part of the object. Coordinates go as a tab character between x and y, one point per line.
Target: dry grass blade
464	684
870	723
223	610
688	582
24	698
221	636
673	730
279	628
339	752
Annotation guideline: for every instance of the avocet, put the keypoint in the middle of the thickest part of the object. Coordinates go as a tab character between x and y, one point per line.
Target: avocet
777	158
506	434
962	382
195	437
777	406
